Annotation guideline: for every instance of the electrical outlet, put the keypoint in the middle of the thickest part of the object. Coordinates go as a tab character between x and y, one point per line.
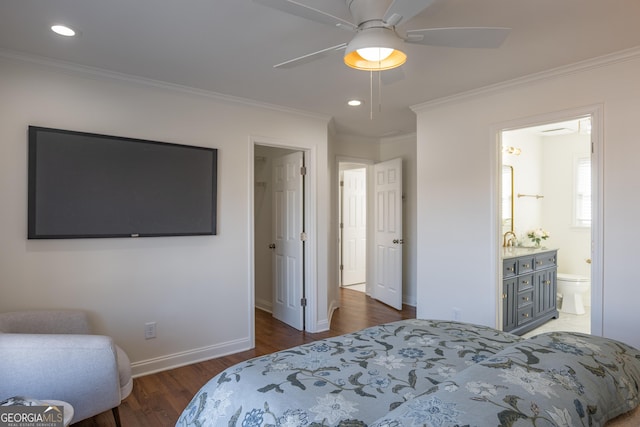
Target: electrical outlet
149	330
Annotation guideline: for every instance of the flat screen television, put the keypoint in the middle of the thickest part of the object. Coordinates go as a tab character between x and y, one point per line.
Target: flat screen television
84	185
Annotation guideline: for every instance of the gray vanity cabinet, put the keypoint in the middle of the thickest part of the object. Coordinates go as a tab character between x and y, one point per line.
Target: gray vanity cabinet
529	291
509	313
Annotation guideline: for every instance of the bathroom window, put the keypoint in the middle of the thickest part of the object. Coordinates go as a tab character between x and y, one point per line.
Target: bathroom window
582	192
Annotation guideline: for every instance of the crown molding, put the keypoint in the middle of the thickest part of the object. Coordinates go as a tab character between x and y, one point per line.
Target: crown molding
578	67
399	138
114	75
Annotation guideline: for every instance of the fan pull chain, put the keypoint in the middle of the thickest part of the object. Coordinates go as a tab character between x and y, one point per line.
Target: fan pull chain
379	92
371	95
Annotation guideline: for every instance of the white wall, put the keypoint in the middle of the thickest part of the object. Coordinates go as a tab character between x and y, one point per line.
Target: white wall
198	289
457	201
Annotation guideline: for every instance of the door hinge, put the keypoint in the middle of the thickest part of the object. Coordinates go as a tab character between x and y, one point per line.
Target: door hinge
342	225
303	236
303	170
341	183
341	267
303	302
593	148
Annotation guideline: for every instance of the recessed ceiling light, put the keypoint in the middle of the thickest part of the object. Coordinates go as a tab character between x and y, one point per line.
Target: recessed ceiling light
63	30
354	102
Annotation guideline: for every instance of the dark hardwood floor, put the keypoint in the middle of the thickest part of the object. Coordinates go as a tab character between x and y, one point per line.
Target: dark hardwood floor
158	399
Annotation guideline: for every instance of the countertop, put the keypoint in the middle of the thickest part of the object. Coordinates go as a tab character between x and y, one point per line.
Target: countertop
517	251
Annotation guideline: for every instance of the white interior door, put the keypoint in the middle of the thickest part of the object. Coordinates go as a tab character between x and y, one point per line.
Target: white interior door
288	239
388	232
354	226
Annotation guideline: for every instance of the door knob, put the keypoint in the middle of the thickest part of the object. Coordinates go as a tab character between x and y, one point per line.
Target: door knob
398	241
272	246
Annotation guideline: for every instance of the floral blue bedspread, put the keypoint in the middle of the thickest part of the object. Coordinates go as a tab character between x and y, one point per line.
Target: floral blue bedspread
426	373
558	379
350	380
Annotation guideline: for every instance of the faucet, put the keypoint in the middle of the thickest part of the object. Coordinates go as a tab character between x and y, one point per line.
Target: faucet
509	242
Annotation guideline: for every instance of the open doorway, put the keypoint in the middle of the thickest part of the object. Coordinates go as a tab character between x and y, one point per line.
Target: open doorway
352	231
376	245
279	233
552	196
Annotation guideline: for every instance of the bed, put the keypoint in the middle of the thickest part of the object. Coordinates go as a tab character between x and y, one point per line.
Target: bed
428	373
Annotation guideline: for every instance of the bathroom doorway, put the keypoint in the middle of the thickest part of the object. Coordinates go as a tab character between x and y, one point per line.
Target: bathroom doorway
551	164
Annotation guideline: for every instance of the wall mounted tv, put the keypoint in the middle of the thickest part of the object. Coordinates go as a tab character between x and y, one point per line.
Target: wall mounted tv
84	185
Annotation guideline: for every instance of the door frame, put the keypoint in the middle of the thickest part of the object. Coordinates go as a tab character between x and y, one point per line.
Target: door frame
368	163
310	225
597	186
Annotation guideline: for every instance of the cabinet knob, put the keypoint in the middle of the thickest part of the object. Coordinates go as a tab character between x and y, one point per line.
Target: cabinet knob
525	298
504	296
547	282
509	268
526	265
525	314
525	282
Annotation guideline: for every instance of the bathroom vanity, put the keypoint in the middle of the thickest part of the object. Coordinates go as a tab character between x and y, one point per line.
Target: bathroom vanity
529	287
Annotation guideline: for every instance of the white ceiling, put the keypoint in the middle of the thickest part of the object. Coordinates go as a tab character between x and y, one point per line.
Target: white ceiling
230	46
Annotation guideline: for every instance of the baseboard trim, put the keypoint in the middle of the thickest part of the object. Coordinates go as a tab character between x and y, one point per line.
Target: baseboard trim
333	306
176	360
264	305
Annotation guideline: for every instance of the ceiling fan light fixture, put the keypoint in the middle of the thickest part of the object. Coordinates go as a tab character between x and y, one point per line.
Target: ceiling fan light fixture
375	49
375	54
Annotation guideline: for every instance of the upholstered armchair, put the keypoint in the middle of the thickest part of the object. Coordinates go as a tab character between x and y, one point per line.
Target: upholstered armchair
53	355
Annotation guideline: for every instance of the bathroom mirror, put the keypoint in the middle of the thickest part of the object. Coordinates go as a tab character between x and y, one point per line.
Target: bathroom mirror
507	199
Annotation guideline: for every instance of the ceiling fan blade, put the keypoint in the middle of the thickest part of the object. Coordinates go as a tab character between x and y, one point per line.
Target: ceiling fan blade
470	37
302	10
310	56
403	10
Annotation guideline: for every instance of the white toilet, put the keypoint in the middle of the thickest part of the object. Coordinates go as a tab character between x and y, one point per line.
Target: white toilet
572	288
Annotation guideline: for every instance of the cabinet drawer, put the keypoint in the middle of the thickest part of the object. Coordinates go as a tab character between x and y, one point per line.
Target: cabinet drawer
525	265
508	268
525	315
525	283
545	260
525	298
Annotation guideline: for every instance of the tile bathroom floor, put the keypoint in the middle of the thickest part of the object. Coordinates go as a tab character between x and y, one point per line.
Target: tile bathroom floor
565	322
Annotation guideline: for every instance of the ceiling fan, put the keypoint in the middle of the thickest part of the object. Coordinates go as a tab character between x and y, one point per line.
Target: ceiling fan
377	45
